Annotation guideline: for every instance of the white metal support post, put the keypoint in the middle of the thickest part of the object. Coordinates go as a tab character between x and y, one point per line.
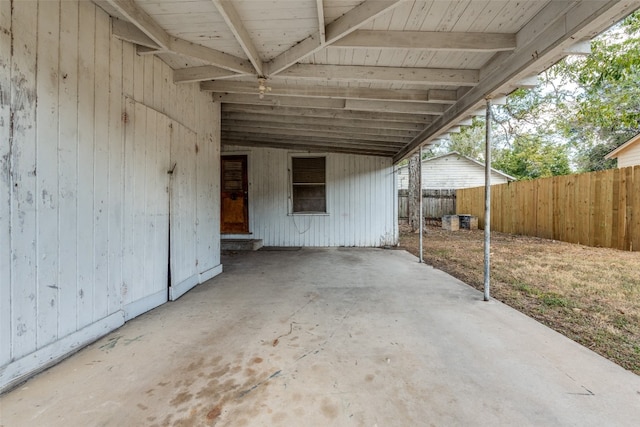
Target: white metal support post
420	222
487	204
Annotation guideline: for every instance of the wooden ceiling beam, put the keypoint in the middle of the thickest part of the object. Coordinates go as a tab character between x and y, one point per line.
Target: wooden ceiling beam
134	32
212	56
142	20
361	73
308	147
348	104
440	96
321	25
234	22
126	31
279	101
428	40
327	113
363	129
398	141
198	74
395	107
372	124
346	24
343	142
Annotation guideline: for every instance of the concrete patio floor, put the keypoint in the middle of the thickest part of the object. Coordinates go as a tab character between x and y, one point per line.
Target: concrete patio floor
320	337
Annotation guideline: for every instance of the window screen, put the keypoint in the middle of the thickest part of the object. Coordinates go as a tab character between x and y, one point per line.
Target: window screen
308	179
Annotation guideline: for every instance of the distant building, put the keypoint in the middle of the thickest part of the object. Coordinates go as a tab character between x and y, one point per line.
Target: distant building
452	171
628	154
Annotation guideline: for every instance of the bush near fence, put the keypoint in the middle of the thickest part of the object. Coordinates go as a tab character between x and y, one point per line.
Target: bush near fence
600	209
435	203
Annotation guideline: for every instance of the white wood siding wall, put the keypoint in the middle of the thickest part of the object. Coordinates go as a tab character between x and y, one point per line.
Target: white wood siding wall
630	156
360	201
83	215
450	172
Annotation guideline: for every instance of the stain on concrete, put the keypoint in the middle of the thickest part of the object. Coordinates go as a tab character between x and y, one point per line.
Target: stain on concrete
111	343
181	398
328	409
214	413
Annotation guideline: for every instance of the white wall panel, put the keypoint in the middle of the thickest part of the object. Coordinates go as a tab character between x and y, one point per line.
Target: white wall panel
146	220
5	180
208	210
68	162
24	170
84	216
86	121
360	201
47	175
116	176
184	273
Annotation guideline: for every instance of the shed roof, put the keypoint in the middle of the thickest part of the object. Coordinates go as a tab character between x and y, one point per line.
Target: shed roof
468	159
378	77
615	153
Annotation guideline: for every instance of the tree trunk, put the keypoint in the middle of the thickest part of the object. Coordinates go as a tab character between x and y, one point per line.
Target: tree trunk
414	192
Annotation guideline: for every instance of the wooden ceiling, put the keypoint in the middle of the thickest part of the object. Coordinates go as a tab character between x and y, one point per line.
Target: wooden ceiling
378	77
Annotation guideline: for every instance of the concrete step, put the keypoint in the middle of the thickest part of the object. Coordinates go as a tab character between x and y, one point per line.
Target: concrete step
240	244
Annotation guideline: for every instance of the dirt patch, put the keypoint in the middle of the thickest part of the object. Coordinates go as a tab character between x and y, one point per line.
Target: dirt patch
591	295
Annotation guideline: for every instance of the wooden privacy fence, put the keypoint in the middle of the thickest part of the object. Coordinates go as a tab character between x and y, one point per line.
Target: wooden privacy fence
599	209
435	203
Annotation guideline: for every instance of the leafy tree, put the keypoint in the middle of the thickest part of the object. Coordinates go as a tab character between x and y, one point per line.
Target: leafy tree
606	109
532	157
583	108
469	142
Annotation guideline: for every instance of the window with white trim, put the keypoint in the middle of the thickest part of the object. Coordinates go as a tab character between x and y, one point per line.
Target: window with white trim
309	185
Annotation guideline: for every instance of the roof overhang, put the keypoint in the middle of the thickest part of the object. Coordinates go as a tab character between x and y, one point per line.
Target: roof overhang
374	77
615	153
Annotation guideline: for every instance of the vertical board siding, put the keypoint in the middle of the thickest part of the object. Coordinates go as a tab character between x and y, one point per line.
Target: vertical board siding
183	205
208	160
68	162
116	177
84	203
147	136
360	201
101	207
600	209
5	181
47	185
86	102
23	159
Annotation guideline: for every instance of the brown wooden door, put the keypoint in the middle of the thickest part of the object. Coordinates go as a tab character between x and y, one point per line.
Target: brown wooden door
234	217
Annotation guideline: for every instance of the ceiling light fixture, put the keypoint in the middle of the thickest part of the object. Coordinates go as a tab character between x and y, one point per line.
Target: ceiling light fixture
262	87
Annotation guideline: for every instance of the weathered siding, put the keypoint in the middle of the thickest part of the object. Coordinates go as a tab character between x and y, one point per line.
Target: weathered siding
630	156
84	211
449	172
360	201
